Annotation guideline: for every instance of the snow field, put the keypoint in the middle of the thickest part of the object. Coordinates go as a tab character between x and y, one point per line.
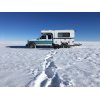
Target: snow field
42	67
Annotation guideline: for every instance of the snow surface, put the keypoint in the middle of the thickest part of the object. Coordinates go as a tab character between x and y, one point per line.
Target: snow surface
46	67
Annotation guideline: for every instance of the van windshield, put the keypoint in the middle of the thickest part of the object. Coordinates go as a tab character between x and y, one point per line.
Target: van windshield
43	37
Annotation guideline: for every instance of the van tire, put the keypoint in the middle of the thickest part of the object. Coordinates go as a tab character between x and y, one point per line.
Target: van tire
65	45
32	45
55	46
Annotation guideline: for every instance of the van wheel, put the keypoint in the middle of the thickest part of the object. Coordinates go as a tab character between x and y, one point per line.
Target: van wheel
65	46
32	45
55	46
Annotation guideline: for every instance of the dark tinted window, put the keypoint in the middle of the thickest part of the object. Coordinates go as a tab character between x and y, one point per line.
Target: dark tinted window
43	37
64	34
49	36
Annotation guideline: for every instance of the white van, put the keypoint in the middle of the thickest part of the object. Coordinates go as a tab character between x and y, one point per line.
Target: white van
54	38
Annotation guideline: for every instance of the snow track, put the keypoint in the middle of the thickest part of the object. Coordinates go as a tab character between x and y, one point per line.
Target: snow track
48	71
49	76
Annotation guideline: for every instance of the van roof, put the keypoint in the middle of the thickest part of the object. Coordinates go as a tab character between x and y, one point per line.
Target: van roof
57	30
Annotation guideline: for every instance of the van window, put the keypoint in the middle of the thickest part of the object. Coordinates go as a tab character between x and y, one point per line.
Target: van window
49	36
67	34
43	37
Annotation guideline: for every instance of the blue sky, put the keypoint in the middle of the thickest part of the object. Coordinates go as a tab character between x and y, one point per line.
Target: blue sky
27	25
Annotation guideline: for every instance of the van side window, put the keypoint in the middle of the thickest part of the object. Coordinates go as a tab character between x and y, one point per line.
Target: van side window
49	37
67	34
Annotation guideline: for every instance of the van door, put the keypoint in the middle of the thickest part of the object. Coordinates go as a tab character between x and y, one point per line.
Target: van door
44	40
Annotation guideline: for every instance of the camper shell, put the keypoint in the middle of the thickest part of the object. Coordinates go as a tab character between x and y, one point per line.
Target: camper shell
53	38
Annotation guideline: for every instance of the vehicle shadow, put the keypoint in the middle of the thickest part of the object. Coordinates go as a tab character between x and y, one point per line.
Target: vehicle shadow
16	46
40	48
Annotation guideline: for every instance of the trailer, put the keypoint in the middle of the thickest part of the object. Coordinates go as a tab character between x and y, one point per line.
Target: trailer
53	38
